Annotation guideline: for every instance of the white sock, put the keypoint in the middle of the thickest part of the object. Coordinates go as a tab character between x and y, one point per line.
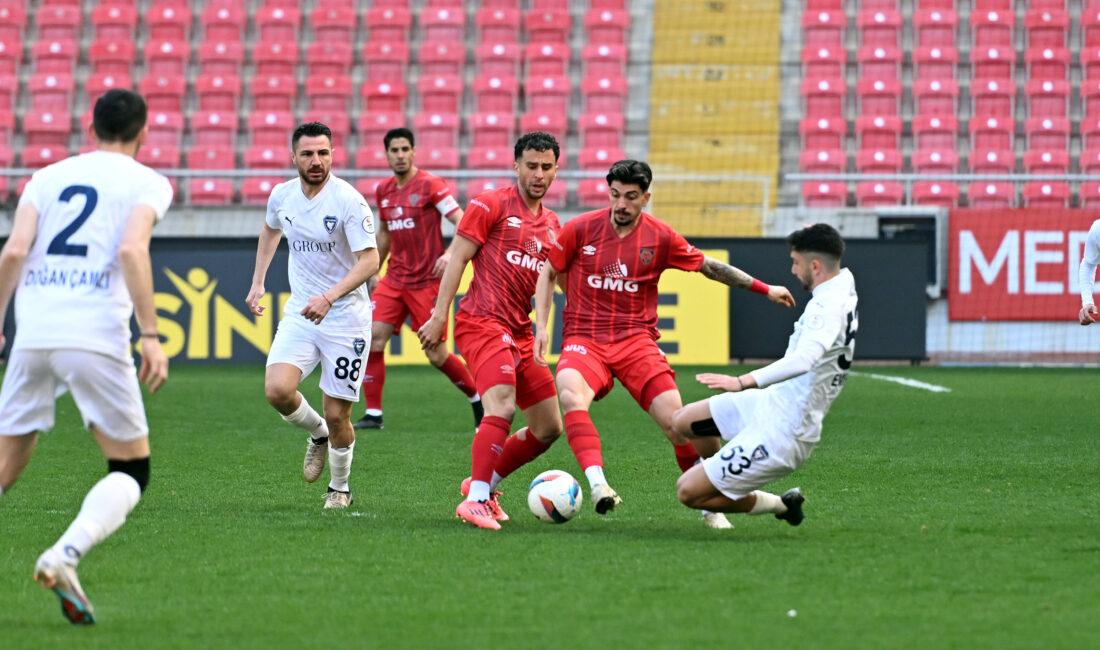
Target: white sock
339	466
475	398
767	502
595	476
308	419
374	412
103	511
1	491
479	491
497	478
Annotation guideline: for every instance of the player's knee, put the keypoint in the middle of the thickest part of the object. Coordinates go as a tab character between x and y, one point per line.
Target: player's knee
684	492
571	400
138	469
279	395
681	423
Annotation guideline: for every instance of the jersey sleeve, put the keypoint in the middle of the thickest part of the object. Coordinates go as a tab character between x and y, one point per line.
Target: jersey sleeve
564	247
157	194
442	198
1091	253
359	225
682	255
272	218
31	191
480	217
822	323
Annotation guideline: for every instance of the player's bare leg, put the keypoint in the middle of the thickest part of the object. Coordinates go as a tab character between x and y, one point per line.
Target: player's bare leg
281	388
341	450
374	376
695	490
15	453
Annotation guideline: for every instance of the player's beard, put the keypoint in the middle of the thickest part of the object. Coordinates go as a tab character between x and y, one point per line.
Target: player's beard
306	179
534	193
618	218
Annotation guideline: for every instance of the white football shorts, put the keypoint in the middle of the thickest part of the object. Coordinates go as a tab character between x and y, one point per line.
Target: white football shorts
105	389
343	357
759	449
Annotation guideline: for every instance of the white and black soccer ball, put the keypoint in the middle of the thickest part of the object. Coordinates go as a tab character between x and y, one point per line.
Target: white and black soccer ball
554	496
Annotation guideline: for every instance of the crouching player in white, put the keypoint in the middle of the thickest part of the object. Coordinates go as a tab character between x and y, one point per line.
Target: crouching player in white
771	432
327	320
78	263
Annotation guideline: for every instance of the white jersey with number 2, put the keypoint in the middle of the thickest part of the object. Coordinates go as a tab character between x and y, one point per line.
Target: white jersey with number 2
323	234
72	293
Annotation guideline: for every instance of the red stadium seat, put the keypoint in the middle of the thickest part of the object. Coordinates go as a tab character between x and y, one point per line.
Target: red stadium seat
97	84
935	97
555	124
1048	98
935	27
164	92
58	22
210	191
368	187
159	157
879	96
607	26
329	93
992	132
878	62
878	131
498	59
927	161
986	194
546	59
1046	27
443	24
1090	97
271	128
224	58
165	129
495	94
384	96
497	24
1046	194
492	130
442	58
1090	195
9	84
935	62
223	21
265	157
603	94
823	62
333	25
592	192
273	93
548	25
214	129
13	20
1090	26
548	95
498	158
52	92
824	194
277	24
11	55
47	129
879	161
385	61
112	57
212	157
54	57
1050	63
168	22
824	29
166	57
602	130
38	156
275	58
388	24
339	122
823	161
256	191
374	125
1047	133
993	97
371	158
992	28
436	130
943	194
218	92
879	27
992	161
823	97
823	133
329	58
603	60
600	158
872	194
935	132
440	94
114	22
1048	162
992	62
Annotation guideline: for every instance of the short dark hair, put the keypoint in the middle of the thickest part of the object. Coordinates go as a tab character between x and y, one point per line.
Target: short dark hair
309	129
537	141
399	132
820	238
631	172
119	115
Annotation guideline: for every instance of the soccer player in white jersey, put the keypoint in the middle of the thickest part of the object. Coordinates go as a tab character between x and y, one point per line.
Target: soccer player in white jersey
327	320
78	263
771	432
1086	275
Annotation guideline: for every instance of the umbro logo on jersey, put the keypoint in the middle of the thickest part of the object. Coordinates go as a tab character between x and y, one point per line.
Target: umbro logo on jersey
507	369
588	250
646	255
507	338
515	222
359	345
330	223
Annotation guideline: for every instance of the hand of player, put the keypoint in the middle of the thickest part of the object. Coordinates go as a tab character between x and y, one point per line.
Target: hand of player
431	332
154	364
372	283
1089	314
441	264
542	345
255	294
317	308
719	382
779	294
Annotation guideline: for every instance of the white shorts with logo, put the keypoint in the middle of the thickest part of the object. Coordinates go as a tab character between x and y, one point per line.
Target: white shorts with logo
760	448
105	389
343	357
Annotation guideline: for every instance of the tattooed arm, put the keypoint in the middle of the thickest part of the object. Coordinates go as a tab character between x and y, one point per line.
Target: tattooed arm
738	279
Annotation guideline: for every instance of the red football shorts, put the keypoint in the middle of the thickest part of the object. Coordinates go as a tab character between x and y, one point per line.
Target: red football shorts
392	305
639	364
496	356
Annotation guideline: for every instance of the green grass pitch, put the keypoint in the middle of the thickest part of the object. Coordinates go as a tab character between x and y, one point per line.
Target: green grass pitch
965	519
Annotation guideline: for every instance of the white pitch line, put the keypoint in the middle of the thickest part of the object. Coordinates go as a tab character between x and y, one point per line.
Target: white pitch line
912	383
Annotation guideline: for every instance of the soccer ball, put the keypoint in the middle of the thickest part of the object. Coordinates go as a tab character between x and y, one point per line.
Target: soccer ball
554	496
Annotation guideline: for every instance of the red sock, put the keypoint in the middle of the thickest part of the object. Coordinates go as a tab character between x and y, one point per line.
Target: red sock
519	449
459	375
488	443
686	456
583	439
374	378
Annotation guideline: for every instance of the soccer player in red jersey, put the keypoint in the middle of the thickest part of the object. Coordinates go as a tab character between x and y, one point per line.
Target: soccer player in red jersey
506	233
409	208
612	259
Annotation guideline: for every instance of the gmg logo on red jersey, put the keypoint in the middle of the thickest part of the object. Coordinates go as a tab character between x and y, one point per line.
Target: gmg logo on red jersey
525	260
401	224
612	284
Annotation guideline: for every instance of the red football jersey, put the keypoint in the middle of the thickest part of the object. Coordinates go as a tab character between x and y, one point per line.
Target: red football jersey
611	281
412	216
514	242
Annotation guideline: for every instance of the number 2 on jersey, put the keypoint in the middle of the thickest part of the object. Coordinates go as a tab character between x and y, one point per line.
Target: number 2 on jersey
60	244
